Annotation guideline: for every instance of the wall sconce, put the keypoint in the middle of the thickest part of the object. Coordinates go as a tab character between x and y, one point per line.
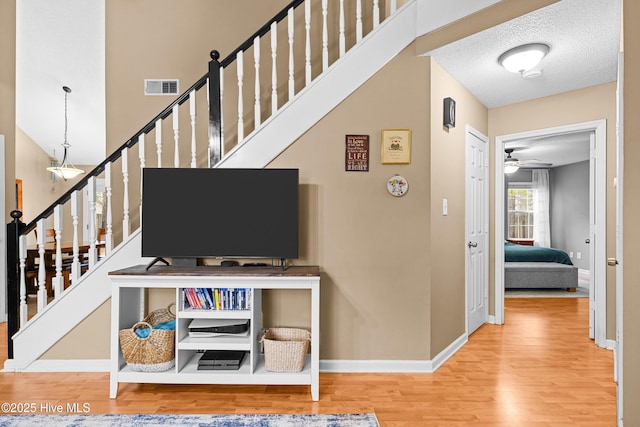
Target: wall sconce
449	113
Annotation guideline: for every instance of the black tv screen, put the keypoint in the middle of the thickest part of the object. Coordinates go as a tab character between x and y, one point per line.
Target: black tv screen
220	213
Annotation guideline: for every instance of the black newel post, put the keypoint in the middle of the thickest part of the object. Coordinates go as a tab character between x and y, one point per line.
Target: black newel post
14	229
215	110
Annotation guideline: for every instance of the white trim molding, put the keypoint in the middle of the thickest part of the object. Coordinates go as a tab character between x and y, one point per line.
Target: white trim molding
398	366
599	127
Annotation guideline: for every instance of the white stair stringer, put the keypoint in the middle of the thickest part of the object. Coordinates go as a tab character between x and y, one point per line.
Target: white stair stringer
94	288
324	93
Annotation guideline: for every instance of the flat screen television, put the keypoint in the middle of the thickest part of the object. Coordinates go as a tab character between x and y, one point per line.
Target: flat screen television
219	213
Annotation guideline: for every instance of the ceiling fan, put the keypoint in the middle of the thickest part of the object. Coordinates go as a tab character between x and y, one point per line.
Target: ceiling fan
512	164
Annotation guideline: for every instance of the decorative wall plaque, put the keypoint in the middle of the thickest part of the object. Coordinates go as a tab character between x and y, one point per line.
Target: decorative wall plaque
357	153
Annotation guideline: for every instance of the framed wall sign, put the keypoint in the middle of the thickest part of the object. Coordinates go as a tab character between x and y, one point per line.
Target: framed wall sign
396	146
356	157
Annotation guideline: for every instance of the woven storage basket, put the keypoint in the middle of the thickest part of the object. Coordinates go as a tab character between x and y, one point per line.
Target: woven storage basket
155	353
161	315
285	349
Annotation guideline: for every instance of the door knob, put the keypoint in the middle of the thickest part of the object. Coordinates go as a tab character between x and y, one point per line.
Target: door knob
472	244
587	241
612	262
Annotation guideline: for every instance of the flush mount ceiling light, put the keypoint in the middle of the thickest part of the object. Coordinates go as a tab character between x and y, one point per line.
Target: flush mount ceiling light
511	164
523	58
66	170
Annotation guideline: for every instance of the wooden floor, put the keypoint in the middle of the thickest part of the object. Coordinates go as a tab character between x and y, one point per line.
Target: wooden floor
539	369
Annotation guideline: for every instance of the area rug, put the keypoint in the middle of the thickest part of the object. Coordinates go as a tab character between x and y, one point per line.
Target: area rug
123	420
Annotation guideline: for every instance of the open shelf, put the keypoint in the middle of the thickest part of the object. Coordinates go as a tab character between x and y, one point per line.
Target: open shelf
128	299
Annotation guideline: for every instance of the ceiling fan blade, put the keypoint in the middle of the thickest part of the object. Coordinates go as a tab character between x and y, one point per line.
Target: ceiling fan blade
534	164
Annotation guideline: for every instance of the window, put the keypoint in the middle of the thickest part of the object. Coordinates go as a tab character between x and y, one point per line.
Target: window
520	214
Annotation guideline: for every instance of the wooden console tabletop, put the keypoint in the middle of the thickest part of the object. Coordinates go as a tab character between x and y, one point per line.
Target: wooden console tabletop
213	270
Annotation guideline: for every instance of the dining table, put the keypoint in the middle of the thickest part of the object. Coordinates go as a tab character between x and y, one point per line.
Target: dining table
50	250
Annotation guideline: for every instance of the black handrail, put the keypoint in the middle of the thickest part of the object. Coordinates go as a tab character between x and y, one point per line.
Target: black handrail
163	115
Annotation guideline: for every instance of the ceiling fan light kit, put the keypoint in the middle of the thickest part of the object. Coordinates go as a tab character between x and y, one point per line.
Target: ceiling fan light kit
521	59
511	164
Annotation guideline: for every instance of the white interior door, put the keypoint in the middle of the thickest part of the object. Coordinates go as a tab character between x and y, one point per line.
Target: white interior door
476	228
592	236
619	236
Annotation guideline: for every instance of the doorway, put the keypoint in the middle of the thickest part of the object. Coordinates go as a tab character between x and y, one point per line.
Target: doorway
598	219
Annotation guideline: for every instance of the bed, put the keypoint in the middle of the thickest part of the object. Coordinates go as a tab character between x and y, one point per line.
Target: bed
538	267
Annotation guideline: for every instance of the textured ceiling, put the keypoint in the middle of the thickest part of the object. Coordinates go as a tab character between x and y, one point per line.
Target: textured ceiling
584	36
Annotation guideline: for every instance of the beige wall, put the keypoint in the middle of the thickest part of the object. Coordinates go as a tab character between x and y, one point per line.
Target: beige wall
447	176
373	248
631	213
8	98
157	39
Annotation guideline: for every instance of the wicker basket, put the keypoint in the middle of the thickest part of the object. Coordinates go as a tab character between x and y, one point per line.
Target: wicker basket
285	349
155	353
161	315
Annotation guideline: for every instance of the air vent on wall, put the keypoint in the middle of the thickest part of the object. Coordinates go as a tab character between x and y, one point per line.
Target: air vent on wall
161	87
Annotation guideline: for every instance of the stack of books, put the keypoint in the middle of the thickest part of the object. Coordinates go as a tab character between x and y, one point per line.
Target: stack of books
218	298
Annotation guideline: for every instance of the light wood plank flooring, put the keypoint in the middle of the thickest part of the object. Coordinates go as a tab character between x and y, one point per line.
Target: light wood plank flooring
539	369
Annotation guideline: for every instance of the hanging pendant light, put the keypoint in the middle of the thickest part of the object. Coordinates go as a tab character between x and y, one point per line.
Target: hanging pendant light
66	170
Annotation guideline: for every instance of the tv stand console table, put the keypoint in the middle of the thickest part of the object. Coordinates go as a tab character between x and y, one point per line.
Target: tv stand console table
128	296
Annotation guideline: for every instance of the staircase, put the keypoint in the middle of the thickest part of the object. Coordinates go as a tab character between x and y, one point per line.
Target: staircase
269	131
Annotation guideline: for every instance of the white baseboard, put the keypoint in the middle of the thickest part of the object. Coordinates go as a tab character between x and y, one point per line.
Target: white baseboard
397	366
352	366
51	365
584	274
408	366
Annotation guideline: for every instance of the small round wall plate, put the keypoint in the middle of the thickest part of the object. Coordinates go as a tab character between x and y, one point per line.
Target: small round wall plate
397	186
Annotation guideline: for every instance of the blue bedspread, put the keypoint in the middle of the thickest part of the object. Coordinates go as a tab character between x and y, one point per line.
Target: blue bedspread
521	253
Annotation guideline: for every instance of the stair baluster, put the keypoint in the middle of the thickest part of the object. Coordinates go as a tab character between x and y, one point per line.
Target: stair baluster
158	128
23	281
325	37
75	263
42	274
274	68
58	281
341	34
126	225
256	62
192	115
108	244
290	33
307	43
91	195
